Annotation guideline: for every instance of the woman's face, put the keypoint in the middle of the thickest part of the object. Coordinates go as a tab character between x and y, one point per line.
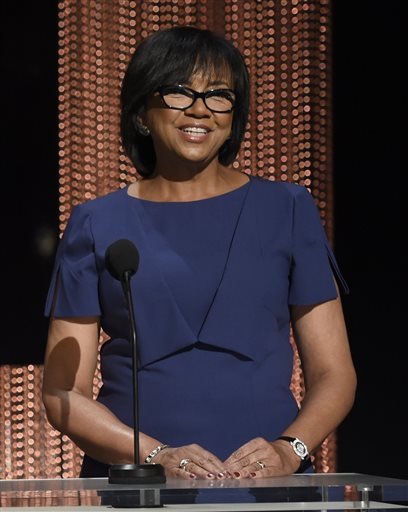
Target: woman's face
190	136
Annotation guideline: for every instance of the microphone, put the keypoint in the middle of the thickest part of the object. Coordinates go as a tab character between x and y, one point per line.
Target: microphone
122	262
122	258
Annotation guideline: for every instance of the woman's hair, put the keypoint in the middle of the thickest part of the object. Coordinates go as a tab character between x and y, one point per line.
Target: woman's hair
172	56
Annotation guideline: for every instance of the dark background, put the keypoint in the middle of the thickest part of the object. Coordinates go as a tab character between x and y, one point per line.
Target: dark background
370	129
369	97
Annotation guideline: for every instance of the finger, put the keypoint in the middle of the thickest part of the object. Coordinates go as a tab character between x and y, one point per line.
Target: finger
243	460
207	463
268	472
193	468
253	469
244	451
198	461
204	468
210	468
251	464
183	473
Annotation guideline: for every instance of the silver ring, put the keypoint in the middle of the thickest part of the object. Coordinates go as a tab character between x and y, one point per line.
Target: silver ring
260	464
183	463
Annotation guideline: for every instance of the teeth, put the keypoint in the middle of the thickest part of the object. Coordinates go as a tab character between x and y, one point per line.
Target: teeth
193	129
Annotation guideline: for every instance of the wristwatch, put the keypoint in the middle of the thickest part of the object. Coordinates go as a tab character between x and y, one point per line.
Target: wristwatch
298	446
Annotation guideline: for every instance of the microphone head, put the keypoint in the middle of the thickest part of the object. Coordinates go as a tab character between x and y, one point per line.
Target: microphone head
122	257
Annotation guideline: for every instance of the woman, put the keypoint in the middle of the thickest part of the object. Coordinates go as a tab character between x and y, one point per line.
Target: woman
227	262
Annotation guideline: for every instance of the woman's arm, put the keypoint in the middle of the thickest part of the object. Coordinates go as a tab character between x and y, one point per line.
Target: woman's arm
330	378
69	369
330	382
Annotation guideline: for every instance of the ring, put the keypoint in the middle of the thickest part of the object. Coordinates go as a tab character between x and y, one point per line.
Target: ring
260	464
183	463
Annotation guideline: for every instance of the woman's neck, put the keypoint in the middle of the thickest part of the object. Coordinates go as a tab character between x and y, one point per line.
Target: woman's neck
179	187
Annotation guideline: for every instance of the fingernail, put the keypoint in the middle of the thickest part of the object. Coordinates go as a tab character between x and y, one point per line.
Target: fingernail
221	475
252	475
210	475
236	474
192	475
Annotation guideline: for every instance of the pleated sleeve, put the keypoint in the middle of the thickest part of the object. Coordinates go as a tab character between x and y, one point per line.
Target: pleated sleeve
73	289
313	266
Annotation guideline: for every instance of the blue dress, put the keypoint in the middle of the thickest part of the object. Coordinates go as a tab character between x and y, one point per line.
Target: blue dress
211	297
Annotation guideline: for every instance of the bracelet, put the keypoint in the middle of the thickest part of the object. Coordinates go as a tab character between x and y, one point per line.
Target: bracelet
154	452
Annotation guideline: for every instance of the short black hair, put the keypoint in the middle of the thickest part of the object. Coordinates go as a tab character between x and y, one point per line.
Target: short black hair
172	56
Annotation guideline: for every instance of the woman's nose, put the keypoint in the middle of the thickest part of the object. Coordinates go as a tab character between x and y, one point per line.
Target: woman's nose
198	108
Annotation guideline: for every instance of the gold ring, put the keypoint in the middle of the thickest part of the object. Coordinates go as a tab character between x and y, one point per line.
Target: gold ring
183	463
260	464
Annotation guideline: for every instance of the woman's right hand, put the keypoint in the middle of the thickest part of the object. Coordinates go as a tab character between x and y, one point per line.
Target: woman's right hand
190	462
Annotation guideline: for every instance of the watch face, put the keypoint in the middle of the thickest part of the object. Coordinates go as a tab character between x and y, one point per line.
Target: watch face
300	449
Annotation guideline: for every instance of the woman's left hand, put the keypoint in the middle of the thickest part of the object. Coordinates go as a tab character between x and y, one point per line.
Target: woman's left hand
261	459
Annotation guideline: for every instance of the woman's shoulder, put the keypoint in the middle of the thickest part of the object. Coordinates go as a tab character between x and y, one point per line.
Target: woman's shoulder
100	213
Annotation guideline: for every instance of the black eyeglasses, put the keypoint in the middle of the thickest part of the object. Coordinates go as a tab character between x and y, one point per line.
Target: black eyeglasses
180	97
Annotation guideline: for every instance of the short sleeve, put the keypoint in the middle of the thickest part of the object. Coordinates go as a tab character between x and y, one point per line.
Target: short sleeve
313	262
74	283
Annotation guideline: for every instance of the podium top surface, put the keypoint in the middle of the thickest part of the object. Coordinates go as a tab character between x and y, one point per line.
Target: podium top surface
321	491
299	480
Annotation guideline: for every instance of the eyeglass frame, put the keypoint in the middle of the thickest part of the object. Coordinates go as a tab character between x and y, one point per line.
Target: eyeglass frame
197	95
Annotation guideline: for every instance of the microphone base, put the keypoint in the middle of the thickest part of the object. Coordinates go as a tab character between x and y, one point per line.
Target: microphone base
140	474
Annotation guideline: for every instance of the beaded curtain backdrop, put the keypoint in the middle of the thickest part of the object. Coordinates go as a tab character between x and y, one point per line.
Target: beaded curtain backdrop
286	45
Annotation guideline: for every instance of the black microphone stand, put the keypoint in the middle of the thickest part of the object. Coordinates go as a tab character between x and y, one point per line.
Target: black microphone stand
135	473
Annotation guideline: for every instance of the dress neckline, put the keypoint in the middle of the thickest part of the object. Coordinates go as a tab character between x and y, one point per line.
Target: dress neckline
195	201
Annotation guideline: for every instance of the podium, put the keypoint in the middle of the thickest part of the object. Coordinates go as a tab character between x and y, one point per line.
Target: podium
322	491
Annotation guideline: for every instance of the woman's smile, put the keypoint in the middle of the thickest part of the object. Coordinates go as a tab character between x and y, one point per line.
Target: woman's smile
194	132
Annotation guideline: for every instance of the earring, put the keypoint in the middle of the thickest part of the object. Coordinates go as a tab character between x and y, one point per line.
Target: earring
144	130
140	127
